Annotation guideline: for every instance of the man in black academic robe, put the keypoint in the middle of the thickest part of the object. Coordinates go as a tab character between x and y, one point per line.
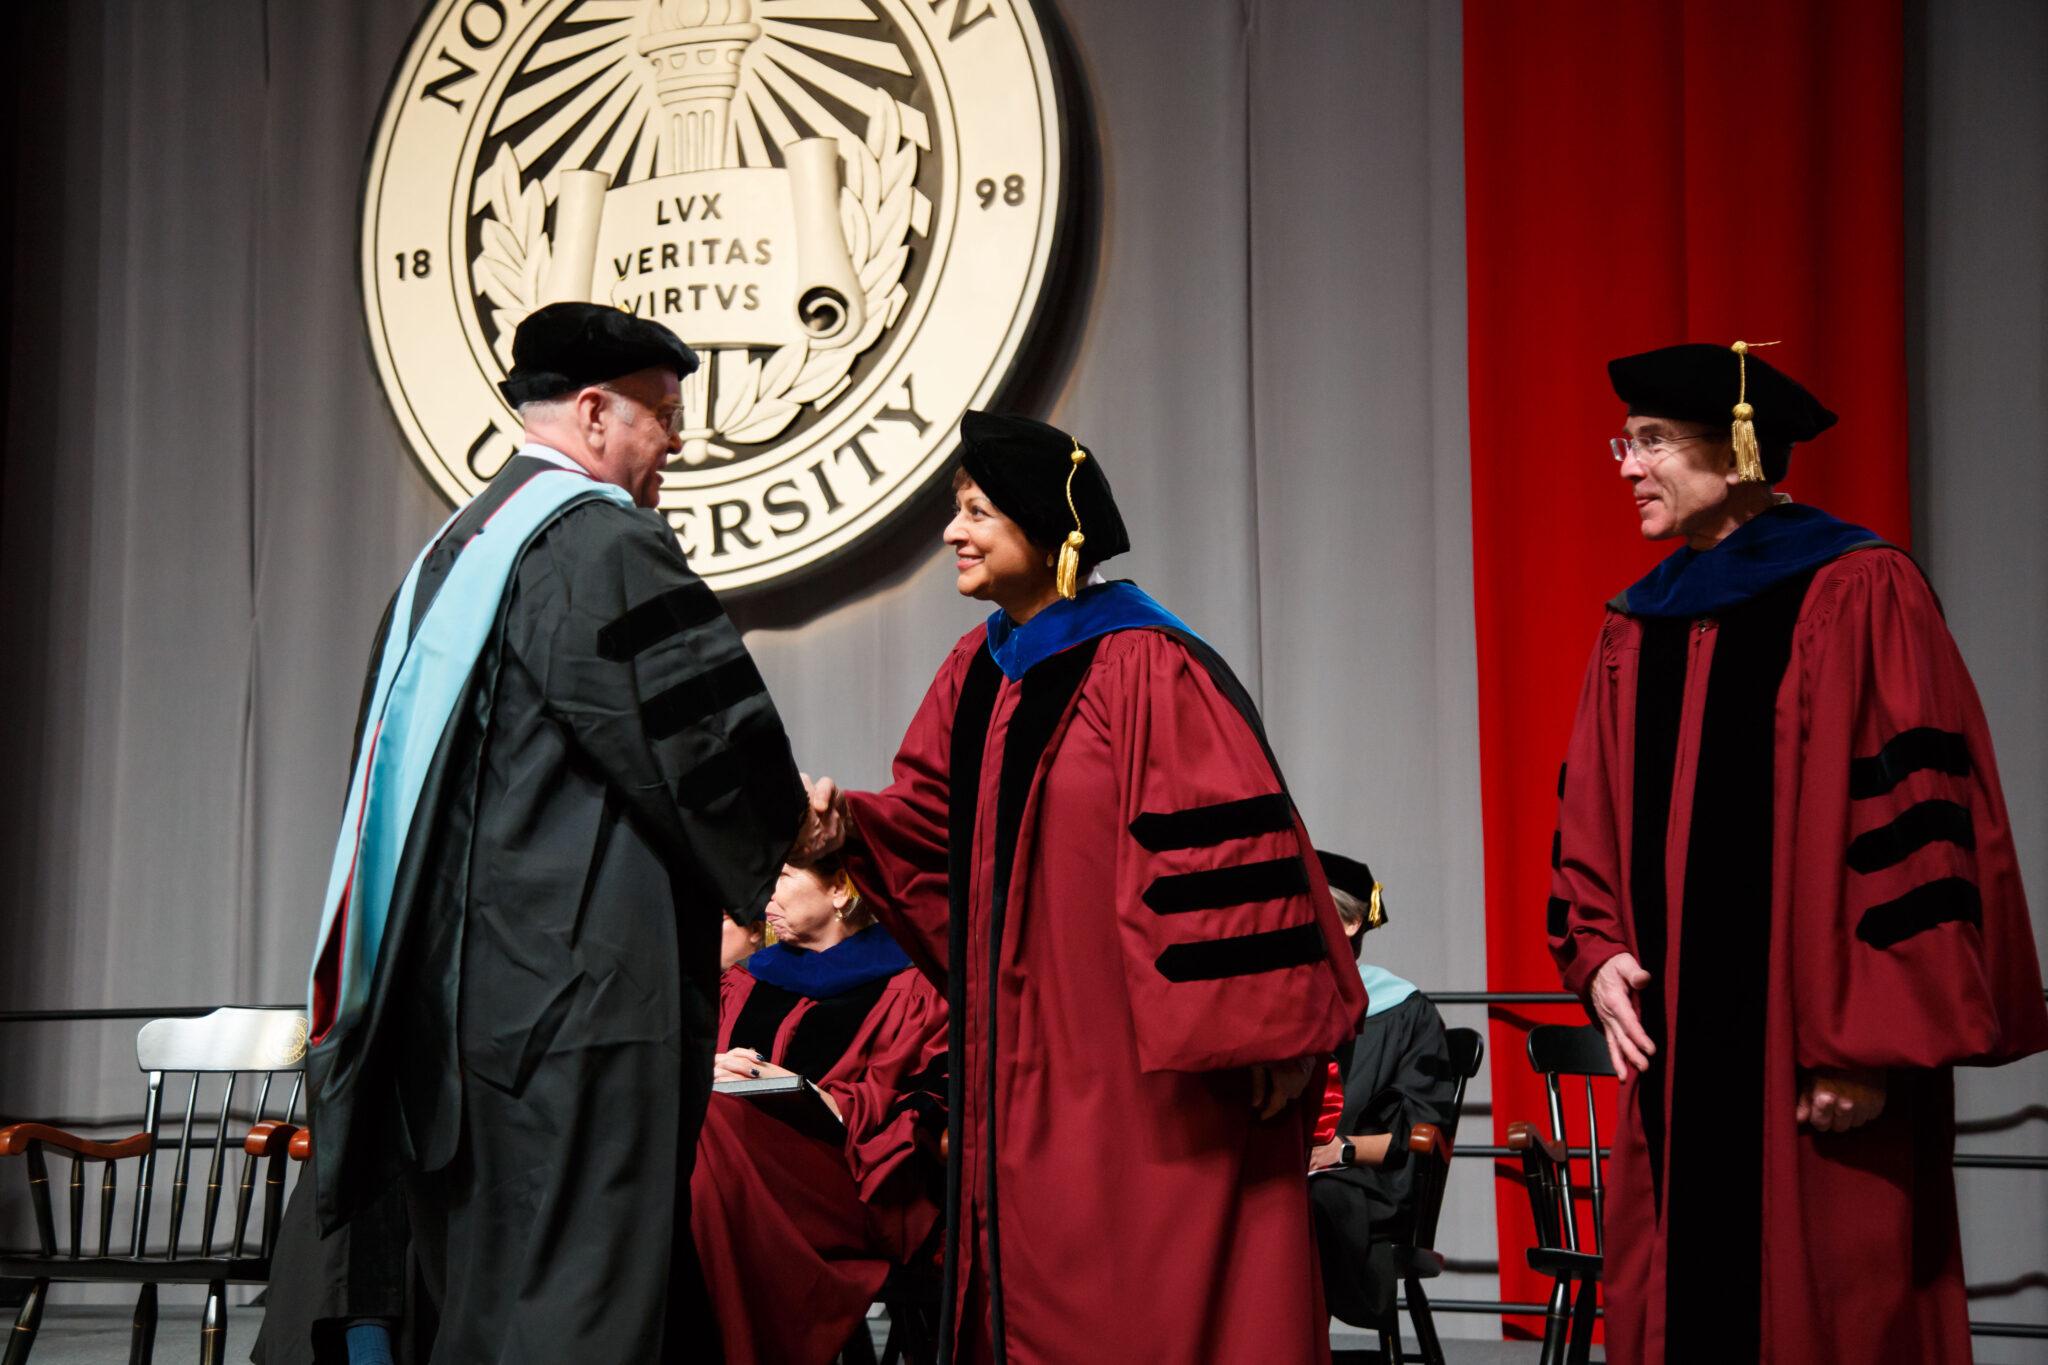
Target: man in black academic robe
532	1056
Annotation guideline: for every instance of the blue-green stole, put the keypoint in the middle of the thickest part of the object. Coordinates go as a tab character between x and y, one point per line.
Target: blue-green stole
419	682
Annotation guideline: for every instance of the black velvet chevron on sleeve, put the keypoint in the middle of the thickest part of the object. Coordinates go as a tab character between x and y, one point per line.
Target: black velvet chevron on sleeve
1929	822
1906	753
697	698
1557	916
1244	955
1943	900
1947	901
1220	887
1207	826
729	770
661	618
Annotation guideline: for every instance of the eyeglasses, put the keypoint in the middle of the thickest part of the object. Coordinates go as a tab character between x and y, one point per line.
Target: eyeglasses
1649	449
671	419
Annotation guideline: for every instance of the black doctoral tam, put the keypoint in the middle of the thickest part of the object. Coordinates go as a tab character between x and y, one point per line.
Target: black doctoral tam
1698	382
1023	466
566	346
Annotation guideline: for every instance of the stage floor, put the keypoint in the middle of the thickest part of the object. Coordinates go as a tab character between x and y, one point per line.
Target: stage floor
99	1336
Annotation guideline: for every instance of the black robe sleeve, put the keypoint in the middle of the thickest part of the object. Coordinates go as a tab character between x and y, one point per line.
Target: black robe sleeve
634	654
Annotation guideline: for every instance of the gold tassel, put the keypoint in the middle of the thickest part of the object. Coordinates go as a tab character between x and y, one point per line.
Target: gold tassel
1067	577
1376	910
1749	460
767	934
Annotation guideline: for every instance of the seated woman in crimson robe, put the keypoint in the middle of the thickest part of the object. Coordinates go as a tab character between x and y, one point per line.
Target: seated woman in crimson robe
833	1000
1088	841
1395	1075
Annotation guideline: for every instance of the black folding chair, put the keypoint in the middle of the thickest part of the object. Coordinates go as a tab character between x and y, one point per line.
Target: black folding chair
1557	1051
254	1054
1414	1258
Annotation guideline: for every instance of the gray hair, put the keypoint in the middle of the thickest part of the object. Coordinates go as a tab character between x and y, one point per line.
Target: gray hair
542	409
545	409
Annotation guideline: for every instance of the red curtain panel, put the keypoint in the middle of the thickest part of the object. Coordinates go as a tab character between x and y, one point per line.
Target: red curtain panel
1639	174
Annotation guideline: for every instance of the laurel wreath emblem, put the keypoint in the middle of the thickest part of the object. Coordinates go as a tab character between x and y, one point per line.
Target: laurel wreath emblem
756	397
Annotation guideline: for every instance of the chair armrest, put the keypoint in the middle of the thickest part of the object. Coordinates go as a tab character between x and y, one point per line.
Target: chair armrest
271	1137
1425	1140
15	1138
302	1145
1524	1137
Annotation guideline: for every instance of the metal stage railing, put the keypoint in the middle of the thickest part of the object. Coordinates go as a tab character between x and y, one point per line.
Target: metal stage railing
1963	1160
1491	1307
1981	1161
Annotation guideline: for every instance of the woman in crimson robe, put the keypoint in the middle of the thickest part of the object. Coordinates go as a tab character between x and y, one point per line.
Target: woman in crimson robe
1088	842
1784	881
833	1000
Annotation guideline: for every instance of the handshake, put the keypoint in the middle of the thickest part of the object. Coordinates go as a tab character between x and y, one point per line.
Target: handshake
826	823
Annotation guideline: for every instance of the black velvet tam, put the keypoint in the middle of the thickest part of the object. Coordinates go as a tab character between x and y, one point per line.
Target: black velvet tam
1347	874
1022	465
566	346
1699	382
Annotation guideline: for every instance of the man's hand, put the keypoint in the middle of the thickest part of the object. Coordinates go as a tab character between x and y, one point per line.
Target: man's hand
1836	1101
826	822
1275	1085
1614	1004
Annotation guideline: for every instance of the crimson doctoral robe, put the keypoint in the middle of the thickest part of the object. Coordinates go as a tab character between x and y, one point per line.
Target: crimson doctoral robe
1100	862
821	1221
1788	811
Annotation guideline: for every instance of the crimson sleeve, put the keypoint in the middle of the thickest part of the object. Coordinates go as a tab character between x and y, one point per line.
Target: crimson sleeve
890	1086
1233	953
897	852
1910	937
1583	921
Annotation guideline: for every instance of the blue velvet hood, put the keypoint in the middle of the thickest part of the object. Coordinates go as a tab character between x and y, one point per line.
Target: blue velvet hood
1764	551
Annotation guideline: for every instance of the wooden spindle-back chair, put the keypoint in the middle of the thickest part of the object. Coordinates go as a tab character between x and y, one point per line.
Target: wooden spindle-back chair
1557	1051
253	1058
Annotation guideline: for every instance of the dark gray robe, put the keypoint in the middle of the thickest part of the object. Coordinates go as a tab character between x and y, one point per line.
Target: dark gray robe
534	1058
1398	1074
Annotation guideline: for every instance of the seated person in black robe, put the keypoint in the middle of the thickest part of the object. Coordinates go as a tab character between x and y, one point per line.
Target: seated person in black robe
1396	1074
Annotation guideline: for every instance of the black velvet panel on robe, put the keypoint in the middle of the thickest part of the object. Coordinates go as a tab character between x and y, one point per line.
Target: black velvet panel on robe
1714	1190
821	1036
1710	1191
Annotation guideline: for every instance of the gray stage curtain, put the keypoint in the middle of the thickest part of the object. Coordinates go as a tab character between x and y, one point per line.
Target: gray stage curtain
1978	249
205	501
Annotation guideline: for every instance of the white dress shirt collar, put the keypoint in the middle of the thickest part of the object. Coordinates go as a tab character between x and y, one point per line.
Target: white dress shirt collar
555	457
